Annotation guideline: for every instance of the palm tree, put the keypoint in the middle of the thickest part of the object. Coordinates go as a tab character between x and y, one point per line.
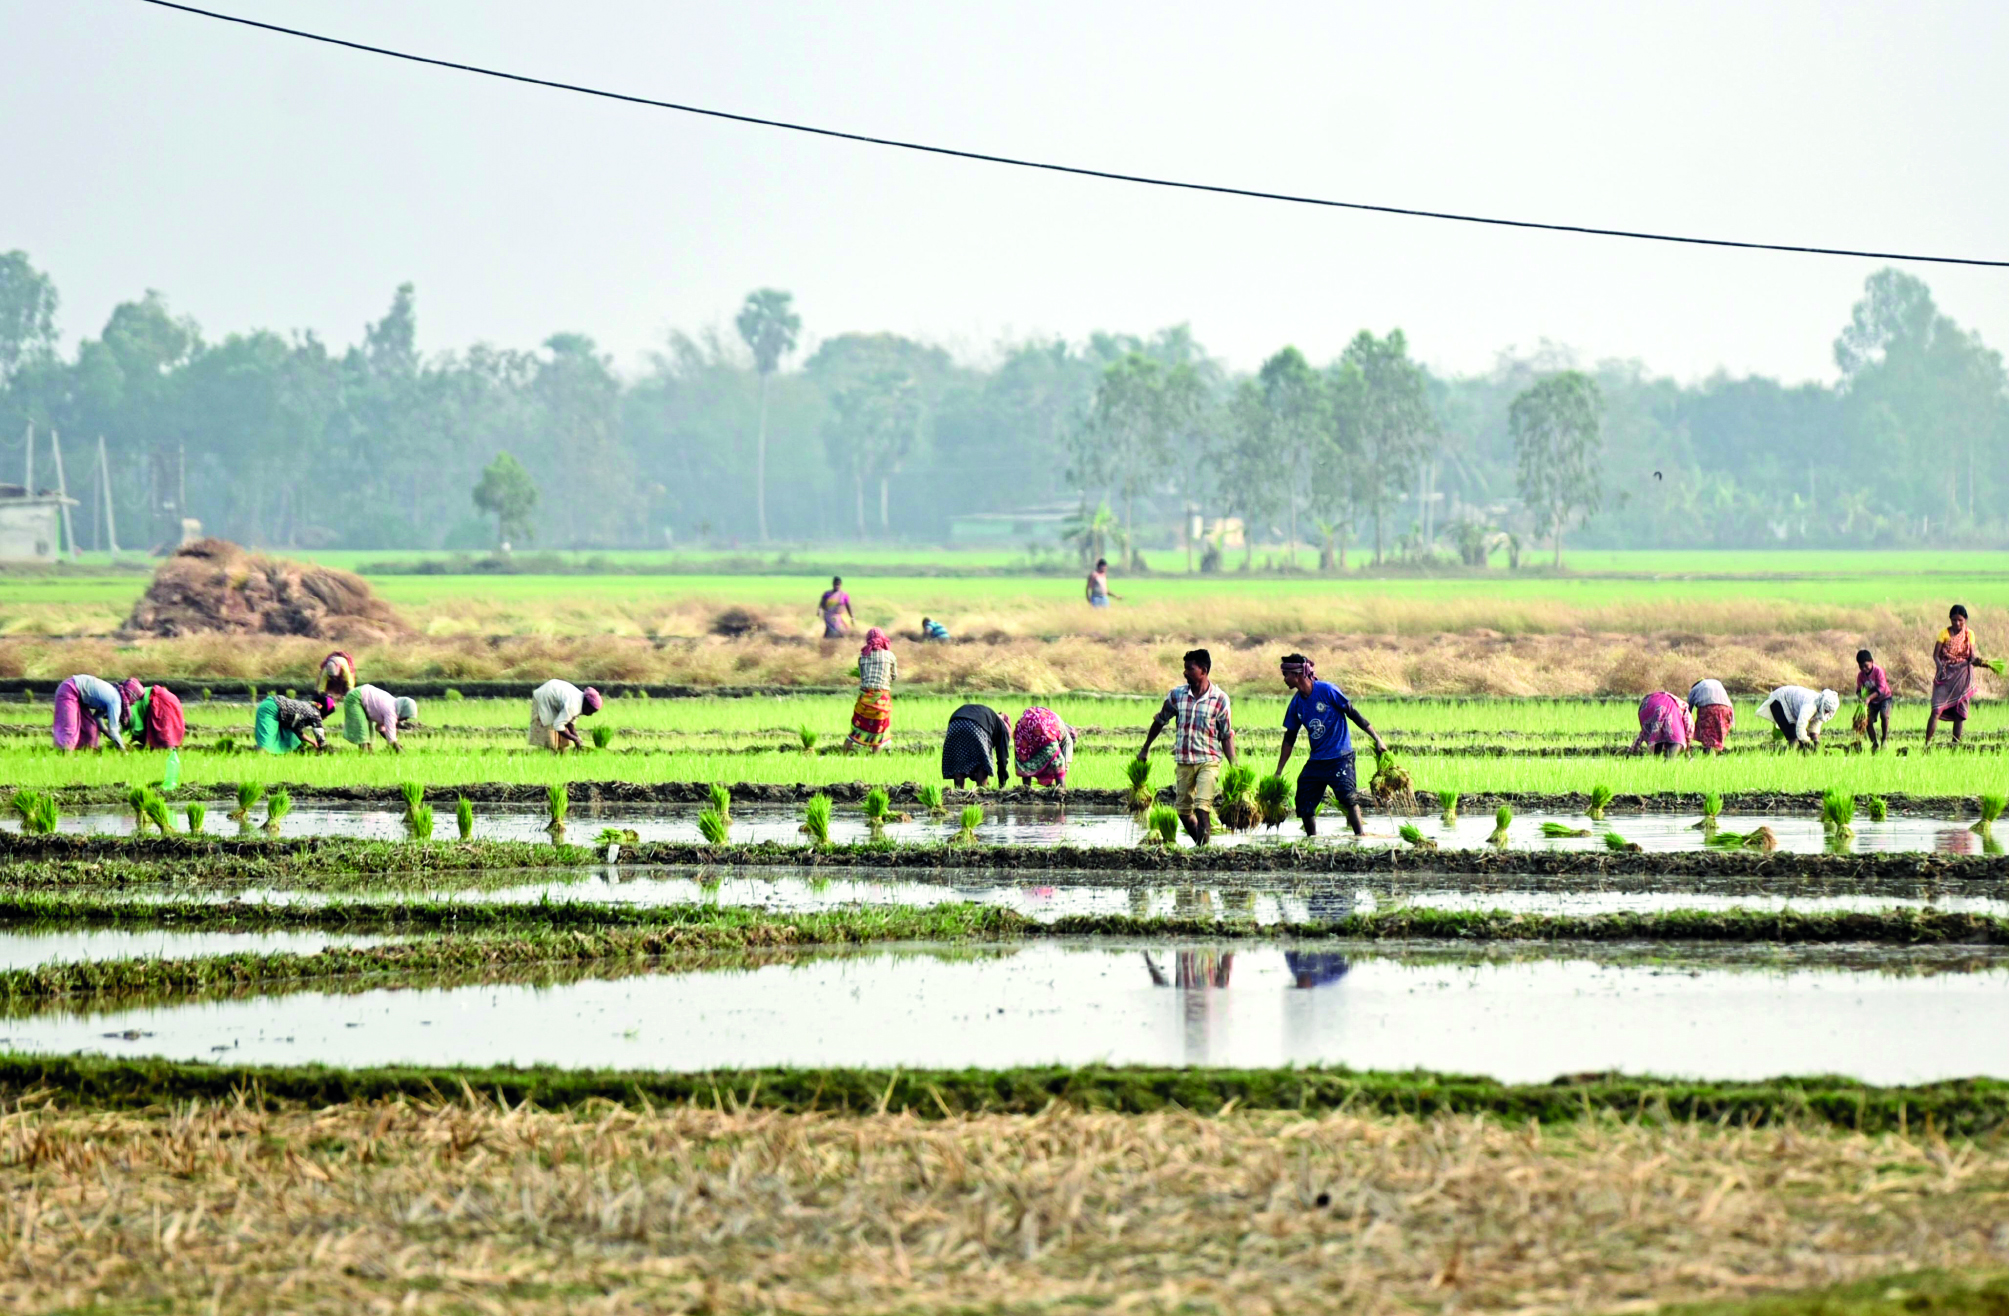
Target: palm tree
769	324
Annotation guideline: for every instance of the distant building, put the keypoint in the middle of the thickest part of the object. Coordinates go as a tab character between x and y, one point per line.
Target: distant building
31	525
995	529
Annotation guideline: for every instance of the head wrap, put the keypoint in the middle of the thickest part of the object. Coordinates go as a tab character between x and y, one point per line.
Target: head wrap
131	690
1830	704
1295	667
875	639
590	700
407	708
326	702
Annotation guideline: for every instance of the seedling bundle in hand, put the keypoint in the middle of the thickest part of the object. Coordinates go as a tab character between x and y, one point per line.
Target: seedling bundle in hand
1273	800
1237	810
1162	827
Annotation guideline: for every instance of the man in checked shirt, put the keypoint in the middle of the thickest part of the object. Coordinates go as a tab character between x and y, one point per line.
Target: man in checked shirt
1204	737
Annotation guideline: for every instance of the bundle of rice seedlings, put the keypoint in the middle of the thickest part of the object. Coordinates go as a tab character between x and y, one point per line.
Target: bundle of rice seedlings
1414	836
721	797
1138	772
463	817
277	806
1723	840
618	836
23	804
973	818
1448	802
47	815
1876	807
713	826
877	802
808	735
930	796
1501	817
1162	828
1558	831
1762	839
414	794
1390	783
136	798
1991	809
1997	665
816	820
603	736
1838	812
226	745
1600	795
1613	841
248	795
420	823
1859	723
1273	800
1237	811
193	816
560	801
156	812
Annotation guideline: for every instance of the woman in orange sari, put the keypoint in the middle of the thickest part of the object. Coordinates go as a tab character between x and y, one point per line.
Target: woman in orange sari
1954	659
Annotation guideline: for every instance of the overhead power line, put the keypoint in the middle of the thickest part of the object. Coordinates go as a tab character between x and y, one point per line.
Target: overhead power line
1109	175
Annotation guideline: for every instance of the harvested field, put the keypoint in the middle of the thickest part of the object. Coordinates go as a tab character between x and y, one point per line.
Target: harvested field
436	1206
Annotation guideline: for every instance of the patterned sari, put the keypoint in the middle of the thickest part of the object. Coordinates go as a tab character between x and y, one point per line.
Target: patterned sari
1044	746
1953	673
871	721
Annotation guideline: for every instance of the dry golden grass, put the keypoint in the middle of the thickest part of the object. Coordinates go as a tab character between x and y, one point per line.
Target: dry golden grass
467	1207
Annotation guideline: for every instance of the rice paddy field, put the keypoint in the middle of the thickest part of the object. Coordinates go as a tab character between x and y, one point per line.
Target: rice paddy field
647	1027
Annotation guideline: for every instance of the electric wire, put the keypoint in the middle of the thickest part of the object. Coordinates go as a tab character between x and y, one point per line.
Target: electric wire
1079	171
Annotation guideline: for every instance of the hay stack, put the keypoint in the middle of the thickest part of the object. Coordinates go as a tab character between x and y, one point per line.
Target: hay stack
213	585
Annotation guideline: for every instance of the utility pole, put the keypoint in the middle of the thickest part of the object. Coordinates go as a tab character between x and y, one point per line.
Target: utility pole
105	476
63	493
29	478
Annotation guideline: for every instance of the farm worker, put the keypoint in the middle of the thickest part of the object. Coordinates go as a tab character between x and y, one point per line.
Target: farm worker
977	734
281	725
1043	746
1663	725
1098	585
872	715
1873	684
933	631
1953	662
338	677
1710	711
154	716
1801	713
835	605
1205	736
555	710
86	708
1322	711
369	706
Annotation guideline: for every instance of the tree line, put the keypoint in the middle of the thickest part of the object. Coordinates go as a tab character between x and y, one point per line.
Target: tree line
738	435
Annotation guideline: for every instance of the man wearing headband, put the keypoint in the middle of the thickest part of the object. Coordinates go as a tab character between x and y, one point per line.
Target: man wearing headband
1323	712
555	710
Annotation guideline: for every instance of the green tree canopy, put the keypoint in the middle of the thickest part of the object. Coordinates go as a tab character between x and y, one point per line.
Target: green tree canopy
1558	448
507	493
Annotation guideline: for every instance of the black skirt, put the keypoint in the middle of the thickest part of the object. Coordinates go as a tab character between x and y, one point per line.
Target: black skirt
967	751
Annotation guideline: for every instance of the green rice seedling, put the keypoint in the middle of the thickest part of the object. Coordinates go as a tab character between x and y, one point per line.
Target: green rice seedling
1448	802
973	818
1991	809
23	803
1723	840
414	795
1415	837
603	736
1613	841
816	820
1235	808
463	817
1712	804
1838	812
1996	665
1162	826
713	826
1558	831
136	798
1877	808
560	802
808	736
157	814
225	745
877	805
1502	816
1600	795
1138	773
277	806
47	815
930	797
1273	796
193	816
454	694
721	797
618	836
1390	783
248	795
421	823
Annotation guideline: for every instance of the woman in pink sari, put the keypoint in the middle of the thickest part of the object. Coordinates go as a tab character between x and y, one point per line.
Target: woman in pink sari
1043	746
1663	725
1954	659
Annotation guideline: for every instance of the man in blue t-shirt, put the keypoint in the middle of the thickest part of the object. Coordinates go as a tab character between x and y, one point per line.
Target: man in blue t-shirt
1323	712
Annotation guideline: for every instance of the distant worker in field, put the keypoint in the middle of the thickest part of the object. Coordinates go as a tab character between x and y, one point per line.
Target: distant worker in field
153	716
1954	659
369	707
1873	686
337	678
978	735
933	632
555	710
1664	727
1321	710
88	707
1098	585
1043	746
1710	711
1205	735
835	606
1801	713
281	725
872	714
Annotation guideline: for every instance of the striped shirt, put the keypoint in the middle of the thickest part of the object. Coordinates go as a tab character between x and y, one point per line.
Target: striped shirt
1202	723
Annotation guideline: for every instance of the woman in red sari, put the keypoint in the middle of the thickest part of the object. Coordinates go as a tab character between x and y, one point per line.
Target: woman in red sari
1954	659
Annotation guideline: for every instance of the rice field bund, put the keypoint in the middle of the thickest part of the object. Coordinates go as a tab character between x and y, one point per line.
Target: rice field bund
710	1013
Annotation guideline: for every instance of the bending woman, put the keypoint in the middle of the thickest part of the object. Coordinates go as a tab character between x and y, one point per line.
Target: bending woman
369	706
1044	746
154	716
88	707
1800	713
872	715
282	725
1663	725
977	734
1953	662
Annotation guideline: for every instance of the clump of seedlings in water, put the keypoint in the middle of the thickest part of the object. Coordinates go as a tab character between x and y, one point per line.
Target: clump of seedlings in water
816	820
1991	809
603	736
277	806
1415	837
1447	801
930	797
1138	772
1237	810
560	803
414	795
808	735
193	816
1556	831
421	823
1273	795
463	817
1502	817
136	798
1762	839
1600	795
157	813
1712	808
1876	808
714	826
38	812
973	818
618	836
248	795
1613	841
721	798
879	808
1838	812
1162	826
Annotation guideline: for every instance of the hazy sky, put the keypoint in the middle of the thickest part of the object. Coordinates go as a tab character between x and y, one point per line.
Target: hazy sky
263	182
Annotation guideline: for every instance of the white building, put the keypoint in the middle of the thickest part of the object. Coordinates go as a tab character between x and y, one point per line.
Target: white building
30	525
